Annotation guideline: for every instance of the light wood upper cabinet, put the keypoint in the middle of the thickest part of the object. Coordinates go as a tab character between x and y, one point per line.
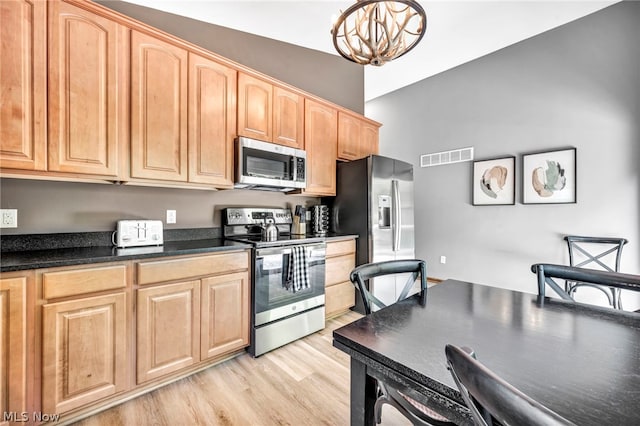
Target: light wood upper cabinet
357	138
255	98
168	329
84	351
14	344
348	136
23	84
288	118
321	133
369	144
88	89
224	314
212	121
270	113
158	109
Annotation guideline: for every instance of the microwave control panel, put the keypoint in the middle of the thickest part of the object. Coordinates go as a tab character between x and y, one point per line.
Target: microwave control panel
300	169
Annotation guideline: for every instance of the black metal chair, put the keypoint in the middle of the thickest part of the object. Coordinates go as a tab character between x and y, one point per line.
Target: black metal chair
363	273
547	272
388	393
490	398
595	252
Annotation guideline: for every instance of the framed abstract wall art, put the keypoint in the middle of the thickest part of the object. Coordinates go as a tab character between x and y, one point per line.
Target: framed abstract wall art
549	177
494	181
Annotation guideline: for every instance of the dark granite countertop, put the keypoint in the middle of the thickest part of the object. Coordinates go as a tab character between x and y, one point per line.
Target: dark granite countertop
22	252
49	258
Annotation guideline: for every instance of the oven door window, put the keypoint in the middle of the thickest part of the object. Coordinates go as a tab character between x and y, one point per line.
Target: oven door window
274	288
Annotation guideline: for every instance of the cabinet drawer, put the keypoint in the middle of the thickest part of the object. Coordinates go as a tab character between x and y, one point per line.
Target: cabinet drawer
176	269
339	297
81	281
338	269
338	248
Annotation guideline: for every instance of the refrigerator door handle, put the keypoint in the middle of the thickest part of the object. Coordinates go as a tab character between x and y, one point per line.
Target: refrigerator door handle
395	215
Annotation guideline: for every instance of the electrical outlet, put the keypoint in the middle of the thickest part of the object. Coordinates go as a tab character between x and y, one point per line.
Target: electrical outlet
9	218
443	259
171	216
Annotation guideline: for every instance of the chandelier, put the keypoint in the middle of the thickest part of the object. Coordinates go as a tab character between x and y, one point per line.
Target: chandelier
375	31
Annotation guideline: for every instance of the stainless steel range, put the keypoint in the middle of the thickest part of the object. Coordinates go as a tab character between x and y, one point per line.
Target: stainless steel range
288	277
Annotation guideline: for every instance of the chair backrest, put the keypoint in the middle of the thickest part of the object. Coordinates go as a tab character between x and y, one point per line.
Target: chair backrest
546	272
596	252
501	401
361	274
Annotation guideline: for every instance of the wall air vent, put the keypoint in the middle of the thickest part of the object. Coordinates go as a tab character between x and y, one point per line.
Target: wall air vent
446	157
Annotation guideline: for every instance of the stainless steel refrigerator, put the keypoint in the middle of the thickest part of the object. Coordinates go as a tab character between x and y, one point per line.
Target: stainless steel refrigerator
374	199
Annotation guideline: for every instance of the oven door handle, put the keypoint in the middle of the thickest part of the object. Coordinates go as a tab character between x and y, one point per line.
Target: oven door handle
271	251
313	250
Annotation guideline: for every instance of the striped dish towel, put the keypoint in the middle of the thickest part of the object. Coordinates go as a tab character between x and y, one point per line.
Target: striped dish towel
298	271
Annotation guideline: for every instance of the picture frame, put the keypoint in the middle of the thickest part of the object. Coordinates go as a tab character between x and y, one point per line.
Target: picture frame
550	177
494	181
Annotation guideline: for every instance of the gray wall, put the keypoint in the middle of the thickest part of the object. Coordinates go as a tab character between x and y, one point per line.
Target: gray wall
577	85
50	207
327	76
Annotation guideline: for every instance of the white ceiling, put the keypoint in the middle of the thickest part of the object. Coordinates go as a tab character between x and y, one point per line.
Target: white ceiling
457	31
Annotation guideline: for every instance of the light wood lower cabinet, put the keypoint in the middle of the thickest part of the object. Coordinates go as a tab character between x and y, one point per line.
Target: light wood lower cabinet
112	330
205	314
15	344
339	291
84	351
168	325
224	314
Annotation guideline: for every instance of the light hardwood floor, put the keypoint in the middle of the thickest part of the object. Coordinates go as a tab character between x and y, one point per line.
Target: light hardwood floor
303	383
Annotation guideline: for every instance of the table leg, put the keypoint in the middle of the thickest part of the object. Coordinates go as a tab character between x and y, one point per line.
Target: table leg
363	395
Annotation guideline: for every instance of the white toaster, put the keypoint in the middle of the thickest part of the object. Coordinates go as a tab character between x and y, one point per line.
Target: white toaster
134	233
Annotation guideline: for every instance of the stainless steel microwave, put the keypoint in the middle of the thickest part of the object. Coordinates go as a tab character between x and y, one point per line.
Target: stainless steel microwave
267	166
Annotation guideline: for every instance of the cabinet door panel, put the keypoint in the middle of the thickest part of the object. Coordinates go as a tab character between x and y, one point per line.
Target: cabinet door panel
212	121
158	109
321	134
338	268
339	298
288	118
168	328
348	137
225	314
84	354
23	84
87	91
370	140
254	108
13	346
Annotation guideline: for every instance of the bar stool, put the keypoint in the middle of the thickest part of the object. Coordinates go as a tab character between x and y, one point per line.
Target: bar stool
594	252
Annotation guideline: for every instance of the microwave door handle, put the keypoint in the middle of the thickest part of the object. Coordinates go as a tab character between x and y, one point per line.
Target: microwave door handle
396	219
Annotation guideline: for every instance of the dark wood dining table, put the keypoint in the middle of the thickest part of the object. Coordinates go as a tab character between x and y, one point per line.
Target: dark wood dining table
581	361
